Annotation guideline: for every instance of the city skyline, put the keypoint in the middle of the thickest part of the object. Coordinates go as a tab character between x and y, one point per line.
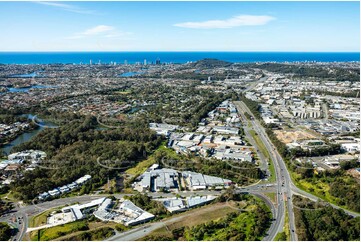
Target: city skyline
180	26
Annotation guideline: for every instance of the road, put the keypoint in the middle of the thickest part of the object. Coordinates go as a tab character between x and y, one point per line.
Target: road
283	179
139	232
23	212
26	211
285	186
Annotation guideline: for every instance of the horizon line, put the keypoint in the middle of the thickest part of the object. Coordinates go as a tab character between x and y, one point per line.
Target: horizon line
200	51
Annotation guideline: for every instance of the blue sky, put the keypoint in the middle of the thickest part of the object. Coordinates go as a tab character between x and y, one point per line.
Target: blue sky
179	26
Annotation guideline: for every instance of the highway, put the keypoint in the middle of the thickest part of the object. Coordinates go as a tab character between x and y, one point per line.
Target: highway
285	186
284	182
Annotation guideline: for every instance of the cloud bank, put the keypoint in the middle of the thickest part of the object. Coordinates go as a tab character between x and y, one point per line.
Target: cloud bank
100	31
240	20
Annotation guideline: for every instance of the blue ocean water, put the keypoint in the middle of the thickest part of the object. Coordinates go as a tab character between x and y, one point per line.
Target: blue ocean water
171	57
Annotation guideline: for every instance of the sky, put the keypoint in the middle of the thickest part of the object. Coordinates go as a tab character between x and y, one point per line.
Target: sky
180	26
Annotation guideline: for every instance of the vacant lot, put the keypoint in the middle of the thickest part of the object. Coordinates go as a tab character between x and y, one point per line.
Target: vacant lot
295	135
142	166
57	231
195	217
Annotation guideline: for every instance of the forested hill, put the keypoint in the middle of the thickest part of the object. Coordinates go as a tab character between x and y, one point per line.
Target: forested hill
79	148
210	63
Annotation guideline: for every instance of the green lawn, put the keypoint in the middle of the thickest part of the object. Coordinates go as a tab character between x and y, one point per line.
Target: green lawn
57	231
259	143
40	219
273	171
272	196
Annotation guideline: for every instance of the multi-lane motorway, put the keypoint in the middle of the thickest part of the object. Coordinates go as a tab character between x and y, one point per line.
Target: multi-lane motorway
285	186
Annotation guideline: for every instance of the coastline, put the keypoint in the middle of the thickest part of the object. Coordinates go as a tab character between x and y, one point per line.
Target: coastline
179	57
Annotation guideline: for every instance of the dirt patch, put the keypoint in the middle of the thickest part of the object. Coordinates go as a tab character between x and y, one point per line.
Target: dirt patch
291	136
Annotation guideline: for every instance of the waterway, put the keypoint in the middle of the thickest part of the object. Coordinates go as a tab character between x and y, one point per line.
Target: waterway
26	89
173	57
25	137
34	74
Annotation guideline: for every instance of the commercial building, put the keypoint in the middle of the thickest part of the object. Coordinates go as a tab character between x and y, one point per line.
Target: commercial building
176	204
131	214
198	181
158	180
163	129
167	180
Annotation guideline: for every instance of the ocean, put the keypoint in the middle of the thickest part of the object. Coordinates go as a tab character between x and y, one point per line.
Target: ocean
171	57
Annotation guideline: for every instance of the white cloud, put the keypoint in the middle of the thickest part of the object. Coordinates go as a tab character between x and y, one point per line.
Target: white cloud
97	30
100	31
240	20
68	7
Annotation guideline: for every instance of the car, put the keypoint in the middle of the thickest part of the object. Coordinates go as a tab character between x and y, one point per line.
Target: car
293	230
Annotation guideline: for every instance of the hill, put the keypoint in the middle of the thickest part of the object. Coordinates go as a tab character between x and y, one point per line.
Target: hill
211	63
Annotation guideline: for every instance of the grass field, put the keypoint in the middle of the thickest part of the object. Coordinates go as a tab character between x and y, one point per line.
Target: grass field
8	196
260	144
272	196
93	227
141	167
98	234
195	217
40	219
57	231
272	178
